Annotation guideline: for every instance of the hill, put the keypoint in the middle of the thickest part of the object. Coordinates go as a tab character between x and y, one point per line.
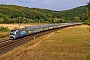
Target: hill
74	14
15	14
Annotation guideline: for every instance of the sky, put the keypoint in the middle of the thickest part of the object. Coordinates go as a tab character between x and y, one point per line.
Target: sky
56	5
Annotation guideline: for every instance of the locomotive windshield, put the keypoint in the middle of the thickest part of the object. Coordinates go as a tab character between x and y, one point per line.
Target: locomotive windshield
13	30
12	34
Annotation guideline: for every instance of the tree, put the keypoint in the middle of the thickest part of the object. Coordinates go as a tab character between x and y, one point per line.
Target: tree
1	20
88	11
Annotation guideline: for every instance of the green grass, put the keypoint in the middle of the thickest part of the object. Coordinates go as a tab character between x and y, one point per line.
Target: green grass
71	43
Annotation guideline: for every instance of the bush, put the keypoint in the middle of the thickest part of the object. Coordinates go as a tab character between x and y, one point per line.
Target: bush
4	29
86	22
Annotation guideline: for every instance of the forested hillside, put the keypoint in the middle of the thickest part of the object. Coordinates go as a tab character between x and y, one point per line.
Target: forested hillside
16	14
75	14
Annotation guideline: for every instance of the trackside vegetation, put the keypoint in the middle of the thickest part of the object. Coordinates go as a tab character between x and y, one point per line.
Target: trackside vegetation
4	29
4	32
71	43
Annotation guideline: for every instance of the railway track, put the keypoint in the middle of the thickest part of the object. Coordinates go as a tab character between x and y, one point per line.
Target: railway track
10	44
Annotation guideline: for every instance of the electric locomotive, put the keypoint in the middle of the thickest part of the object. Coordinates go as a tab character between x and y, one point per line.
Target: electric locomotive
18	33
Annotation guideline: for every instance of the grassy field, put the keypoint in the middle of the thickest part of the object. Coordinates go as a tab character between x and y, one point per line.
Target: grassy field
71	43
3	36
11	26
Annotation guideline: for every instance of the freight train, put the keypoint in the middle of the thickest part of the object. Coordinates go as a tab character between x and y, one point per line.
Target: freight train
28	30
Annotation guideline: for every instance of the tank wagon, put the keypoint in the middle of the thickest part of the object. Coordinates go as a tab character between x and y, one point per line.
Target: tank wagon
27	30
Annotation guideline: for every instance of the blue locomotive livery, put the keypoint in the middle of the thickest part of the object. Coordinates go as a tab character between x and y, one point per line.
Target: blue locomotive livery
14	34
17	33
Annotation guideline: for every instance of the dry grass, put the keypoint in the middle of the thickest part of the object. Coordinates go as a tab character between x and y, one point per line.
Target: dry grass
11	26
4	35
67	44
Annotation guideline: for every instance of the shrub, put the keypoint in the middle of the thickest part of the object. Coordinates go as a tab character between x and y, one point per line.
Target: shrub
86	22
4	29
